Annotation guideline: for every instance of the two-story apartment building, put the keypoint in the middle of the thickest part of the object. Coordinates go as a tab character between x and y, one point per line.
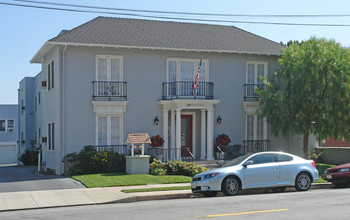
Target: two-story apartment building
8	133
110	77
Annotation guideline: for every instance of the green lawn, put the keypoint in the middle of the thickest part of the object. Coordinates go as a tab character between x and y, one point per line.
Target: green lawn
120	179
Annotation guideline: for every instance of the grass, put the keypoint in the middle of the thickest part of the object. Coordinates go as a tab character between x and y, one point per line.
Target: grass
121	179
321	167
156	189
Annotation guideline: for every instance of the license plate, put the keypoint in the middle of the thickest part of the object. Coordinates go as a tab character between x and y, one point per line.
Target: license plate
329	177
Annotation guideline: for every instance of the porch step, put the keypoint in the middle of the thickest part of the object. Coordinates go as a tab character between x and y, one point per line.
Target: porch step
210	164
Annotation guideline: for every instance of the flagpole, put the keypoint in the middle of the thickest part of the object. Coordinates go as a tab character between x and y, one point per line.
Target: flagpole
195	85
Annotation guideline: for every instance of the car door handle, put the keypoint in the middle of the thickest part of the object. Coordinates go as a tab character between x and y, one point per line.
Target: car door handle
275	168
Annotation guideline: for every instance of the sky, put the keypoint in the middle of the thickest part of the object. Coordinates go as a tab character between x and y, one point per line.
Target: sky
24	30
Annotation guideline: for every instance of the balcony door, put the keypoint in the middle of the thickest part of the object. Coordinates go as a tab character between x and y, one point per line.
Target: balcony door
255	71
108	130
256	132
109	75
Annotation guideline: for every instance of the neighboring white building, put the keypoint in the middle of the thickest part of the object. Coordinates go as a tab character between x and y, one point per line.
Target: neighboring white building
8	133
110	77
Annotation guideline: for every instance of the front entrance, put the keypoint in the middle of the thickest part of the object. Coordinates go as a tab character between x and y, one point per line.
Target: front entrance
186	136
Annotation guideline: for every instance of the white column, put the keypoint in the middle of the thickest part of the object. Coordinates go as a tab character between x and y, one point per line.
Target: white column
165	134
178	135
203	137
172	135
210	132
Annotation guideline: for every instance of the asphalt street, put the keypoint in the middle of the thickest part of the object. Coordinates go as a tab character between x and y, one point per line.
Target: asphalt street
313	204
19	178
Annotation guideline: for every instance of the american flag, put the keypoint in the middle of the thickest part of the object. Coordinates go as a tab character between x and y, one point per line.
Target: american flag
195	84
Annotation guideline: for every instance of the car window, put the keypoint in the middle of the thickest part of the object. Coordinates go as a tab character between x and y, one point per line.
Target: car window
236	161
263	158
283	158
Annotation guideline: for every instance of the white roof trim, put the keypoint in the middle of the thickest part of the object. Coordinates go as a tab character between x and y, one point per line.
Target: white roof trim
38	56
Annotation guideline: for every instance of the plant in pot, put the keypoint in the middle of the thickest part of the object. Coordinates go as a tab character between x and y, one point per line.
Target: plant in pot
156	143
221	142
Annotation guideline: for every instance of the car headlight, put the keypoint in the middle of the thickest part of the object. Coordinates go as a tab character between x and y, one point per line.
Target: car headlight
344	169
210	175
326	171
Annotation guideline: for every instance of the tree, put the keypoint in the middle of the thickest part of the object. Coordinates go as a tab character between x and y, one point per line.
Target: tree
310	92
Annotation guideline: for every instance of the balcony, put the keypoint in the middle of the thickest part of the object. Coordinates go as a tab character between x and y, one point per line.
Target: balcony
109	91
254	146
249	91
184	90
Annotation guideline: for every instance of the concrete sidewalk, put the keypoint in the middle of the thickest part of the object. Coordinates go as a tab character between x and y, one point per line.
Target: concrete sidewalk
10	201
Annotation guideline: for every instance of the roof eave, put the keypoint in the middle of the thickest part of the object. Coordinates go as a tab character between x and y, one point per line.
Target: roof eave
42	49
39	56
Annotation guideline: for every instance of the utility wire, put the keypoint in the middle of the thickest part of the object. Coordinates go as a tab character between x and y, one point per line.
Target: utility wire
185	13
175	18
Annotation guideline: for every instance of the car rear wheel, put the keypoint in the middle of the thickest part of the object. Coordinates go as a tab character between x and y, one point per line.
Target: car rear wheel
230	186
279	189
303	181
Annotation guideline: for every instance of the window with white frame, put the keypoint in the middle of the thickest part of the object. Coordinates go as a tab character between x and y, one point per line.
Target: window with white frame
7	125
108	130
255	127
255	71
51	75
51	136
186	70
109	68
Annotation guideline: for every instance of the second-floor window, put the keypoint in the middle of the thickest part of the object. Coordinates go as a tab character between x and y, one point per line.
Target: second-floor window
186	70
51	136
109	68
50	75
7	125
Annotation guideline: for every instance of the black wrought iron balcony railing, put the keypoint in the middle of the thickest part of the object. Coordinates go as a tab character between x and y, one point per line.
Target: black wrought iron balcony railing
249	91
109	91
254	146
184	89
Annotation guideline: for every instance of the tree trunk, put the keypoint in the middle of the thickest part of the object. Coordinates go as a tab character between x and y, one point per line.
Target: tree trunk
306	147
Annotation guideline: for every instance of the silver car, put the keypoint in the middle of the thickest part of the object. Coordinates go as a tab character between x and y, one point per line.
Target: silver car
275	170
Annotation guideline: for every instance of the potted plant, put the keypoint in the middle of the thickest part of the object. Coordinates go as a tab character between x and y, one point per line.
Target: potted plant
222	142
156	143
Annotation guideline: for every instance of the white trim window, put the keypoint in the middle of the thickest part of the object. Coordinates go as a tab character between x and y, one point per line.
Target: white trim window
256	127
109	68
108	130
51	75
255	70
51	136
7	125
179	69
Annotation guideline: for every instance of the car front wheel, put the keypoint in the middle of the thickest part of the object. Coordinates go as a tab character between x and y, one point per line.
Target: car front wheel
230	186
303	182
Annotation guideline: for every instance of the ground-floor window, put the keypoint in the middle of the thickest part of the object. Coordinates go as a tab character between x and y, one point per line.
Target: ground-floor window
256	127
109	130
51	136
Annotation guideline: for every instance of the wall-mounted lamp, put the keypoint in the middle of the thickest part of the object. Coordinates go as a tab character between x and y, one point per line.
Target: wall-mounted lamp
218	120
156	120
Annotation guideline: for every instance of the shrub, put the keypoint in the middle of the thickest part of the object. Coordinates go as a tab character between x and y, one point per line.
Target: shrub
175	168
316	155
30	157
89	160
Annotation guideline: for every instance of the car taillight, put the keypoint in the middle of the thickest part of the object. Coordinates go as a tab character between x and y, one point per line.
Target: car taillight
313	164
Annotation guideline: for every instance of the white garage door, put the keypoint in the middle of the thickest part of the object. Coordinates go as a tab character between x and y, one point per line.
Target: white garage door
8	153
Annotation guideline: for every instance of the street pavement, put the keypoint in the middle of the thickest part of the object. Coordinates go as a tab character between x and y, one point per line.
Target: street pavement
10	201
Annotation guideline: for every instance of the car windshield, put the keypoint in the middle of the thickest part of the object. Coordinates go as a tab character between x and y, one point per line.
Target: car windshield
236	161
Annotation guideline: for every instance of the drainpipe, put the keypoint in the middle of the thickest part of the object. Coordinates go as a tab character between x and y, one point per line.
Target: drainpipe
63	104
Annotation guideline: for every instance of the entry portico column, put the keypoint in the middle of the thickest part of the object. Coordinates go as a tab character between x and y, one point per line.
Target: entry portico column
210	131
178	135
165	134
203	127
172	135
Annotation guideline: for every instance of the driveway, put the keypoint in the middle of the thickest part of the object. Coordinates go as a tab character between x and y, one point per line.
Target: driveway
15	178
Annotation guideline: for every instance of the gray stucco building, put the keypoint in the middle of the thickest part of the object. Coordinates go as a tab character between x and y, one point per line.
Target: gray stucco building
8	133
110	77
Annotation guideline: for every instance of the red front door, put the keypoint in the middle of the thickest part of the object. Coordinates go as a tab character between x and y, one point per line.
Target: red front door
186	135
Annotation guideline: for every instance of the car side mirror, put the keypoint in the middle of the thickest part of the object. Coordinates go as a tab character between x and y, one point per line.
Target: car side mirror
248	162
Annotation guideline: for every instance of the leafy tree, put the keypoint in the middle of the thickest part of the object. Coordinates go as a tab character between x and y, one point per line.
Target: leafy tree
310	92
